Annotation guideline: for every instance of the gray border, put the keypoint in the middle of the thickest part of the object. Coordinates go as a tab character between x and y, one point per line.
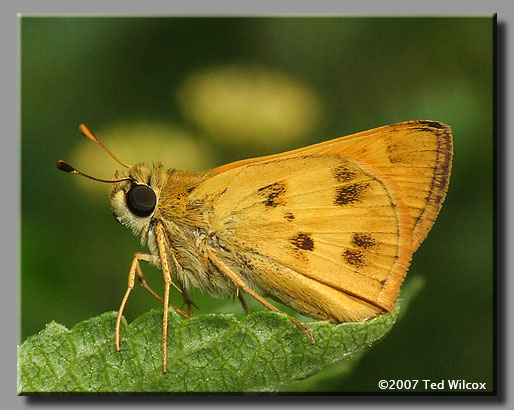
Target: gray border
10	161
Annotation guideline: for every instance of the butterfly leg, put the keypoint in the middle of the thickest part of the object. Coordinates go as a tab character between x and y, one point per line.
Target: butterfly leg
143	283
167	283
244	287
131	280
142	280
188	302
243	302
135	269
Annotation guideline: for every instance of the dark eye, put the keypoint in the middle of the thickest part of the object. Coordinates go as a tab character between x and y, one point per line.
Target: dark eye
141	200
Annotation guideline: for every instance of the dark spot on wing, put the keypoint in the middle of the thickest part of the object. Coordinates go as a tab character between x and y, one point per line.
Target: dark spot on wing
343	174
362	240
349	194
354	257
289	216
273	194
303	241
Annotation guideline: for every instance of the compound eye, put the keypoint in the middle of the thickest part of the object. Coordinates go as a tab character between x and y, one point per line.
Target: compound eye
141	200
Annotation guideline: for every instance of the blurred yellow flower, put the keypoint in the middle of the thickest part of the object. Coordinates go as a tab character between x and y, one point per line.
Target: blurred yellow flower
239	105
139	141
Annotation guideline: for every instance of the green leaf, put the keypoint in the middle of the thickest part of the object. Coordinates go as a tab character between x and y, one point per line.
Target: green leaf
209	353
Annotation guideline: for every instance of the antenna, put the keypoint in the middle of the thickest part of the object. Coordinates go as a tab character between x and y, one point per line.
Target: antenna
86	133
63	166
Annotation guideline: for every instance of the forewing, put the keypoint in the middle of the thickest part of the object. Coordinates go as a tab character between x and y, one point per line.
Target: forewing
416	155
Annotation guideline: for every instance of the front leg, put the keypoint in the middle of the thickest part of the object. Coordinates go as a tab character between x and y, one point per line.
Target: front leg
135	269
131	281
163	254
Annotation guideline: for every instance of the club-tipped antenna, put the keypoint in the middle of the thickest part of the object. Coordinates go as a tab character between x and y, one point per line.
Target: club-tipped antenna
63	166
86	133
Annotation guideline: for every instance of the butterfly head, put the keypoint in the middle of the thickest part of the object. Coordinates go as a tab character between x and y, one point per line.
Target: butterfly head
135	198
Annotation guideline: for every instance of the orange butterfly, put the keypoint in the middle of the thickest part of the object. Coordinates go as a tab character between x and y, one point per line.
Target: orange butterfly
328	229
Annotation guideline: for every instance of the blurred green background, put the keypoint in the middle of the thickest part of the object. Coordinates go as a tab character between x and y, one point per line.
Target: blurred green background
199	92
